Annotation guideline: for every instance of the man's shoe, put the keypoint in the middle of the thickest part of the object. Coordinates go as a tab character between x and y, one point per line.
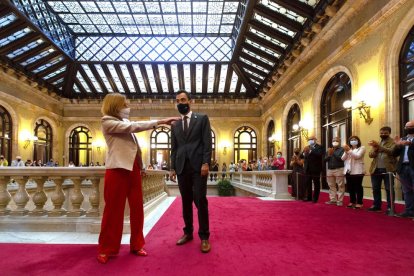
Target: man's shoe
405	215
205	246
374	209
184	239
331	202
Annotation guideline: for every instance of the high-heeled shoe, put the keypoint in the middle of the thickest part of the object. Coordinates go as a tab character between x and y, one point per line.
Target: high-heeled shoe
102	258
140	252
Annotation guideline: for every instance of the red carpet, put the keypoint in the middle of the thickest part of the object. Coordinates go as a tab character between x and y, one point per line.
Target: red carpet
249	237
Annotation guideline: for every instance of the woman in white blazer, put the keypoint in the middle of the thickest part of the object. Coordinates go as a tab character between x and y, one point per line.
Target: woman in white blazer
354	170
122	177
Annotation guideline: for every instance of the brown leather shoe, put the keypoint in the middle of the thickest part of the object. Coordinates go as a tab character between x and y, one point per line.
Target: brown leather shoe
205	246
184	239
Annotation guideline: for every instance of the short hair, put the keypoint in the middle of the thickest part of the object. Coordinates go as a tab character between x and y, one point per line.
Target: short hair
386	128
180	91
355	138
279	152
112	104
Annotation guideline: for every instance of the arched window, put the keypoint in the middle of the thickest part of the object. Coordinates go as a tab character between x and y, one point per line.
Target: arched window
336	120
80	146
213	146
43	146
5	134
160	146
270	142
407	80
245	144
293	137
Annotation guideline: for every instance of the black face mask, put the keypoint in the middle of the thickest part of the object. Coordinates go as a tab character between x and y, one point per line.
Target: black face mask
296	152
18	160
183	108
384	137
409	130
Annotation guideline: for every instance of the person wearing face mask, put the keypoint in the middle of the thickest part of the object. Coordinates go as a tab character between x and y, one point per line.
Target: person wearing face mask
190	160
122	177
18	162
404	148
335	173
279	162
383	162
354	170
296	163
3	161
313	155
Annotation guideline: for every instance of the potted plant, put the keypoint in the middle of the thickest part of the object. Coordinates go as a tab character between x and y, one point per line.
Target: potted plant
225	188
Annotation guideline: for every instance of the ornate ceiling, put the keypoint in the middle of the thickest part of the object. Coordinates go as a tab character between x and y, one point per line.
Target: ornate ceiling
150	49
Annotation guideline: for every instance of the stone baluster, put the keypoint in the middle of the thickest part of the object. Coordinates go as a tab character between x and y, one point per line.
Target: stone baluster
58	198
5	196
39	198
94	198
21	197
76	198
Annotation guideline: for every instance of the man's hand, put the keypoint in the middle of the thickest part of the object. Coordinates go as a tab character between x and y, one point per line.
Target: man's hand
330	151
172	174
204	170
373	143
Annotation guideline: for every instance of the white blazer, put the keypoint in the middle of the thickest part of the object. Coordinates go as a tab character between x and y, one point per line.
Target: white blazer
354	161
122	148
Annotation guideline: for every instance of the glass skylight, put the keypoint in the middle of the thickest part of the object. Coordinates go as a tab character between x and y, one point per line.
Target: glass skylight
6	20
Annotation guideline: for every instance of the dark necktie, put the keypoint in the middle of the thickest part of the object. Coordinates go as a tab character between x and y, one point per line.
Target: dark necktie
185	125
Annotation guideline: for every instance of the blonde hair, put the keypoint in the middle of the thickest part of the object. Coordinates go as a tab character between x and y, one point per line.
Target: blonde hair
112	104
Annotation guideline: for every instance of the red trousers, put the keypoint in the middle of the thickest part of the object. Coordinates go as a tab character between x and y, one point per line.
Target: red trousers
121	184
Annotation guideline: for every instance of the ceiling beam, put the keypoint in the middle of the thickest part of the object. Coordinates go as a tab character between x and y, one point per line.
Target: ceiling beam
51	69
253	69
250	76
181	82
274	33
133	78
193	79
122	78
157	78
97	77
67	90
228	80
4	11
217	72
26	39
49	58
278	18
169	79
256	61
238	87
265	43
296	6
81	88
145	78
57	77
250	92
87	80
32	52
13	27
108	76
205	78
259	52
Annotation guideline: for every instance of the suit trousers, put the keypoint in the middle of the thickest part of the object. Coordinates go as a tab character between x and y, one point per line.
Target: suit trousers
407	183
121	184
193	188
316	178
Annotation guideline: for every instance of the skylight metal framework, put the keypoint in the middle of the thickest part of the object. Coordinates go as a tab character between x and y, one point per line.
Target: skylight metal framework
150	49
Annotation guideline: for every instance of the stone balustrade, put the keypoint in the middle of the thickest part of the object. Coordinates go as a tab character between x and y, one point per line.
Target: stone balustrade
272	184
67	194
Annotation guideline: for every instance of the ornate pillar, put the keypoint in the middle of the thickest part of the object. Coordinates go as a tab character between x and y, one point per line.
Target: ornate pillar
76	198
58	198
21	197
39	198
5	196
94	198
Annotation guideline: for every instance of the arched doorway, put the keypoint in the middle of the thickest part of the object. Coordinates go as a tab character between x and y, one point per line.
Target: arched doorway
245	144
5	134
42	149
406	65
80	146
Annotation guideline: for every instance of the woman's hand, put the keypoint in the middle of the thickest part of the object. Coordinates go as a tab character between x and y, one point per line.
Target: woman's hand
168	121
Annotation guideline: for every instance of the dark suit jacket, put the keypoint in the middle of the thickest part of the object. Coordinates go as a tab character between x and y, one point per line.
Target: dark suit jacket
313	160
399	150
195	147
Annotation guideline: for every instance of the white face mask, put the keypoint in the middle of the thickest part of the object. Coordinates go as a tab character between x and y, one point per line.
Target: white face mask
353	142
311	142
124	113
335	144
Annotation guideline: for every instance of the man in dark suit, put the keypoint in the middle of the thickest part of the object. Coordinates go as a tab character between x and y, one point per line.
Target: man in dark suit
404	148
190	160
312	155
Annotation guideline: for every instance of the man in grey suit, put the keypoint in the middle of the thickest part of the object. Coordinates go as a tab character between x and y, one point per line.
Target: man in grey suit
190	160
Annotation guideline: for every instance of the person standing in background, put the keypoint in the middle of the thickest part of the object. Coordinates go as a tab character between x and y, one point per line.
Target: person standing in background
313	155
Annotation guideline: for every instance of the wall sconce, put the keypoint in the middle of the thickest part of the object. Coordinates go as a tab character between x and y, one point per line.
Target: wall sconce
299	128
224	150
225	145
98	145
28	140
275	139
363	108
